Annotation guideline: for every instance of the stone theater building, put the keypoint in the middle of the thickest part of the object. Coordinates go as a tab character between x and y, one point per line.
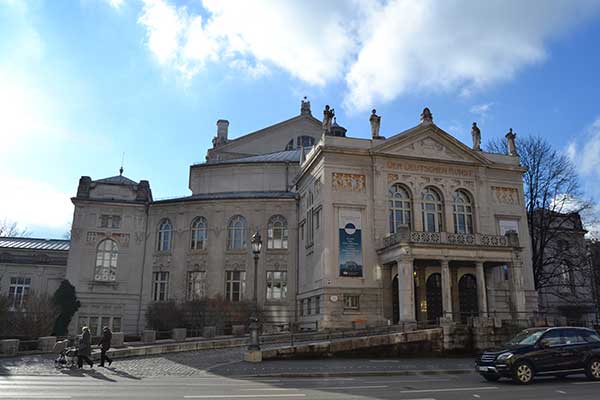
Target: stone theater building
414	227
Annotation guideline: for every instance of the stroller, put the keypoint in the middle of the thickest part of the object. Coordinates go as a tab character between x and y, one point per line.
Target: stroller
67	356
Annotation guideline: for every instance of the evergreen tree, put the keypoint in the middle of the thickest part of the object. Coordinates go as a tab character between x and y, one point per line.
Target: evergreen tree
66	301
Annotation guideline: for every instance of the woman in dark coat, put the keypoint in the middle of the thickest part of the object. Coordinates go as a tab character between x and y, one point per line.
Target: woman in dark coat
105	346
84	350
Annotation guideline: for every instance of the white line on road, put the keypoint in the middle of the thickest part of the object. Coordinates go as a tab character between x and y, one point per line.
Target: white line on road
449	389
561	392
344	387
231	396
33	396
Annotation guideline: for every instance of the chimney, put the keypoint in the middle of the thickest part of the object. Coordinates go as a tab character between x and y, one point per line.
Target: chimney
222	128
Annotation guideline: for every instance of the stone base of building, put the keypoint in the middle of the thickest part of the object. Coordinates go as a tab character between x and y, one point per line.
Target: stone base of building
253	356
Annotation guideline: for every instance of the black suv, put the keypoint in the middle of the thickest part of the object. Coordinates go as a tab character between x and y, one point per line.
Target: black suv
556	351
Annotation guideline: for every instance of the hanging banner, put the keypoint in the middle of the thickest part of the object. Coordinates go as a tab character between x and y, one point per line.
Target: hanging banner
350	255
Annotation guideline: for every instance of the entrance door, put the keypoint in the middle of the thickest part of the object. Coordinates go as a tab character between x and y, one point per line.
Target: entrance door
395	301
434	297
467	297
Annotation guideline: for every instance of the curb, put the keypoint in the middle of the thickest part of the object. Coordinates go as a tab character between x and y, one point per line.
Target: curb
356	373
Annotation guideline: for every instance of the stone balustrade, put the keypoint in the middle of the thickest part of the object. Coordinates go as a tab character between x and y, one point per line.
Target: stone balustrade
447	238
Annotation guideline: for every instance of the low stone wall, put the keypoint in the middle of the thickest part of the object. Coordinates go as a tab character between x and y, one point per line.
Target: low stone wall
347	345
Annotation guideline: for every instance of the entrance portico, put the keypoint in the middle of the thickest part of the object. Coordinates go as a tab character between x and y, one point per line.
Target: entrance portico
449	281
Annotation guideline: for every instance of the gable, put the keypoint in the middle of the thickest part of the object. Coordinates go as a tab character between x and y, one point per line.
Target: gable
429	142
274	138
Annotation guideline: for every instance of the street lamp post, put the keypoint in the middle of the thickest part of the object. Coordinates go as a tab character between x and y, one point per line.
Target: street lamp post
254	344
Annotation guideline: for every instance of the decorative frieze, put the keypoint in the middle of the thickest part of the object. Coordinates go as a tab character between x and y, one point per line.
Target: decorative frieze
342	182
505	195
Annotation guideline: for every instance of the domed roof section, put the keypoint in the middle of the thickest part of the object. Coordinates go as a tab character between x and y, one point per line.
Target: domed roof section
337	130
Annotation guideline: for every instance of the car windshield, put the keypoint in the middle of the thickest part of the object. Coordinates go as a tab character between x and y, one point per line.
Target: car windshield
526	337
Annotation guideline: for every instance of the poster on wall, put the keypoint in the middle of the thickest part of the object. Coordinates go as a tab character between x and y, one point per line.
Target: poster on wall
350	232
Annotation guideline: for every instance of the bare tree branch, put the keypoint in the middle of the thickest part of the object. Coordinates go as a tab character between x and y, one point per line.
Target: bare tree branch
8	228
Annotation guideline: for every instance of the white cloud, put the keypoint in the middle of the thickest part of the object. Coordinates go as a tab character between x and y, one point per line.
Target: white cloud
116	4
482	110
27	208
589	153
380	49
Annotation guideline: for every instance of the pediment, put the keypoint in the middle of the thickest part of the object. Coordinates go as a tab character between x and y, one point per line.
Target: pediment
429	142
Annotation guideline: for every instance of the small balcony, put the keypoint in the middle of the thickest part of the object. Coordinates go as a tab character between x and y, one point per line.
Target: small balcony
446	238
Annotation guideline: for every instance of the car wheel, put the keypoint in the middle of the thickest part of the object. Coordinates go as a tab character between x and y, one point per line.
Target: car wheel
490	378
523	373
592	370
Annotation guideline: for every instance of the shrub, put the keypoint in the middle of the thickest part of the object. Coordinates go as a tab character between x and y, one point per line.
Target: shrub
164	316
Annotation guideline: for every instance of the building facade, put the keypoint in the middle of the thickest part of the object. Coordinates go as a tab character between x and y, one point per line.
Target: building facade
413	228
31	266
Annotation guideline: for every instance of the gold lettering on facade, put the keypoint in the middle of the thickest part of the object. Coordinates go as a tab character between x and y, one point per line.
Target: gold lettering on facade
392	178
342	182
431	169
505	195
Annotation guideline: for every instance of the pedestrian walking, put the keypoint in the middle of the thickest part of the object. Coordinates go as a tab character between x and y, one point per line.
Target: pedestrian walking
105	346
84	350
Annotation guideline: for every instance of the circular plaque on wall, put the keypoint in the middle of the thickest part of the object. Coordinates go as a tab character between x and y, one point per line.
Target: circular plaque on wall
333	298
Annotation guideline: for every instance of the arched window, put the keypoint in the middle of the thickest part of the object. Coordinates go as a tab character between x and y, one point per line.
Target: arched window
106	261
431	207
199	233
462	207
236	233
277	233
165	235
301	141
399	207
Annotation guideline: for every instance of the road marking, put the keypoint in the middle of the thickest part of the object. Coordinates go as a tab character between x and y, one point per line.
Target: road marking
585	383
272	389
231	396
561	392
449	389
476	396
345	387
34	396
384	361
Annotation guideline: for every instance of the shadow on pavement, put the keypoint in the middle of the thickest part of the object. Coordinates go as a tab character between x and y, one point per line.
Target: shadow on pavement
87	372
123	374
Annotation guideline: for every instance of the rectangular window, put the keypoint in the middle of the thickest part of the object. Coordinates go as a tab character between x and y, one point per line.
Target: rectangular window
317	216
301	307
276	285
196	288
235	285
302	231
317	304
94	325
508	225
308	306
351	302
81	322
105	322
116	324
18	291
110	221
160	287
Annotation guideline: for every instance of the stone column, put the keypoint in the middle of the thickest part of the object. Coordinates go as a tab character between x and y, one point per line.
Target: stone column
446	290
518	294
481	289
406	293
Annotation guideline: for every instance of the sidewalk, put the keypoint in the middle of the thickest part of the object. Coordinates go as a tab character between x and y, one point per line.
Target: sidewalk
349	367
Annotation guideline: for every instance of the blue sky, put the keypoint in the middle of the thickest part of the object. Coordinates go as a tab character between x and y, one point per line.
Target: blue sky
83	81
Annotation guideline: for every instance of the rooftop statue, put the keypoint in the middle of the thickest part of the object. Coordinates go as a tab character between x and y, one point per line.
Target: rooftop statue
375	121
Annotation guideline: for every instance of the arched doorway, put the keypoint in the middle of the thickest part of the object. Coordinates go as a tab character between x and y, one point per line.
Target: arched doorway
434	297
395	301
467	297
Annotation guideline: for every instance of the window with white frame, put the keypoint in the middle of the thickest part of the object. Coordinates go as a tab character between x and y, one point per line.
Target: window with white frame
165	235
199	234
276	285
18	291
235	285
160	286
107	253
351	302
399	207
462	208
506	225
277	233
236	233
196	287
432	210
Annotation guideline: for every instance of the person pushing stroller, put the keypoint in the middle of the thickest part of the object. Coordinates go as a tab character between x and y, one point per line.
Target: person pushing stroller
84	349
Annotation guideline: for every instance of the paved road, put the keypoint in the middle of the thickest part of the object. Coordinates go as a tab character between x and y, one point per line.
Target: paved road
111	384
